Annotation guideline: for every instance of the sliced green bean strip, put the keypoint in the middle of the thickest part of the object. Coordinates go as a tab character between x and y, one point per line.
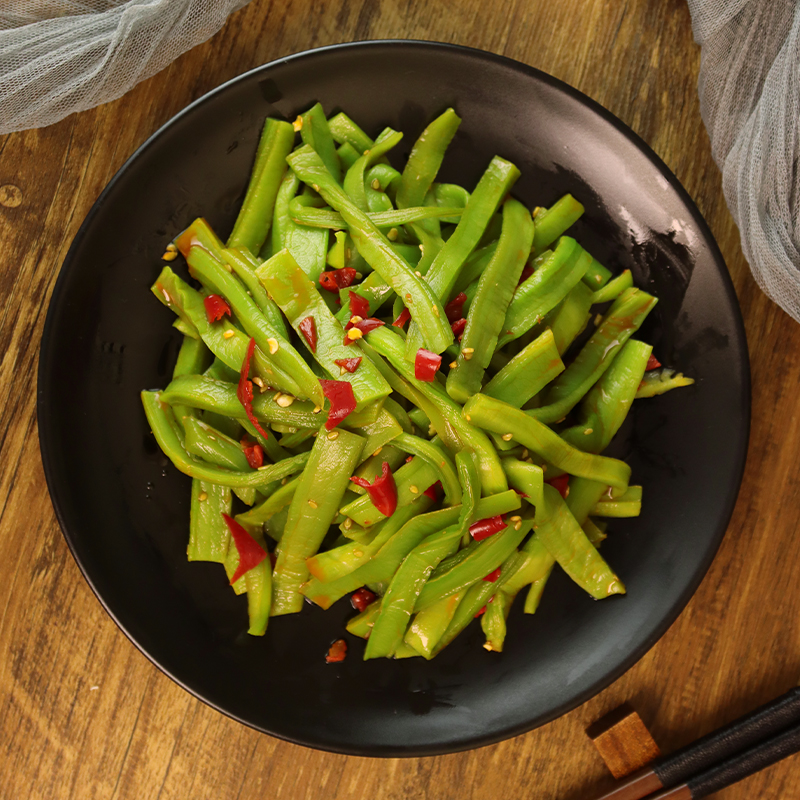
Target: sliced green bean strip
450	195
429	625
361	624
564	538
323	218
208	533
473	268
494	415
371	468
186	328
659	381
425	159
623	319
404	589
594	533
470	480
484	201
452	427
625	506
316	134
582	497
386	176
570	318
528	372
354	180
488	310
313	509
255	216
487	556
553	222
438	459
262	513
344	130
308	246
399	413
613	289
550	283
258	581
169	437
193	358
604	408
411	480
378	434
198	391
525	478
376	249
299	299
231	565
348	155
596	275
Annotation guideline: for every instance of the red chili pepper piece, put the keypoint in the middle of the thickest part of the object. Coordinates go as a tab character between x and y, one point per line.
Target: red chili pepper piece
348	364
382	491
458	328
492	576
335	279
480	613
251	553
253	452
426	364
409	459
433	490
216	307
652	363
245	389
343	401
561	483
521	494
308	327
361	598
455	308
527	271
336	652
359	306
363	325
484	528
405	316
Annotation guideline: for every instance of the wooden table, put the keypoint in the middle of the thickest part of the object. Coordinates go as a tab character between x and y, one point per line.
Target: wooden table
83	714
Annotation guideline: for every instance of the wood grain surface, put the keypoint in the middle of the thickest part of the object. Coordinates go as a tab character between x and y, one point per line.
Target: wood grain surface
84	715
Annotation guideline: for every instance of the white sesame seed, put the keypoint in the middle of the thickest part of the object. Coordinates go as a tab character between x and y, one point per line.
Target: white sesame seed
258	382
227	334
312	504
202	496
273	346
348	523
333	435
354	333
377	452
317	409
435	310
170	255
285	400
453	364
588	431
298	124
376	184
517	526
507	437
392	235
413	489
417	273
355	319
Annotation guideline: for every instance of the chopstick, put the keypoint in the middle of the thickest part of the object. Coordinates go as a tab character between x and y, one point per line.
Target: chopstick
760	733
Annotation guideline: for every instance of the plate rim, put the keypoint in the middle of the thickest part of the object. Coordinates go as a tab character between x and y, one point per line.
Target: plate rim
45	390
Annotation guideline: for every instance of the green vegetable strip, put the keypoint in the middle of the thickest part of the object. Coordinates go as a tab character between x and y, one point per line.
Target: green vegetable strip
659	381
371	468
493	621
255	216
438	459
262	513
316	134
361	624
604	408
488	310
198	391
259	593
193	358
208	533
344	130
480	561
473	268
583	495
596	275
552	222
231	565
226	341
404	589
627	505
348	155
308	246
563	537
448	195
525	478
623	318
376	249
614	288
383	564
299	299
322	218
527	373
411	479
484	201
200	234
594	533
168	436
425	160
470	480
284	358
570	318
429	625
498	417
314	506
354	180
550	283
452	427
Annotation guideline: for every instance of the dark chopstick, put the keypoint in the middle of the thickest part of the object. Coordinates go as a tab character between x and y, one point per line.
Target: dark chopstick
720	745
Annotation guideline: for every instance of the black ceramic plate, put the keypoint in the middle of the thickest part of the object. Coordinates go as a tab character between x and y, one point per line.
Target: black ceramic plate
124	509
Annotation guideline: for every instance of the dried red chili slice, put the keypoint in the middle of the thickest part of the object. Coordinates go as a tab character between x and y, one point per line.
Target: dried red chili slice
244	391
251	553
484	528
382	491
342	399
216	307
308	327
